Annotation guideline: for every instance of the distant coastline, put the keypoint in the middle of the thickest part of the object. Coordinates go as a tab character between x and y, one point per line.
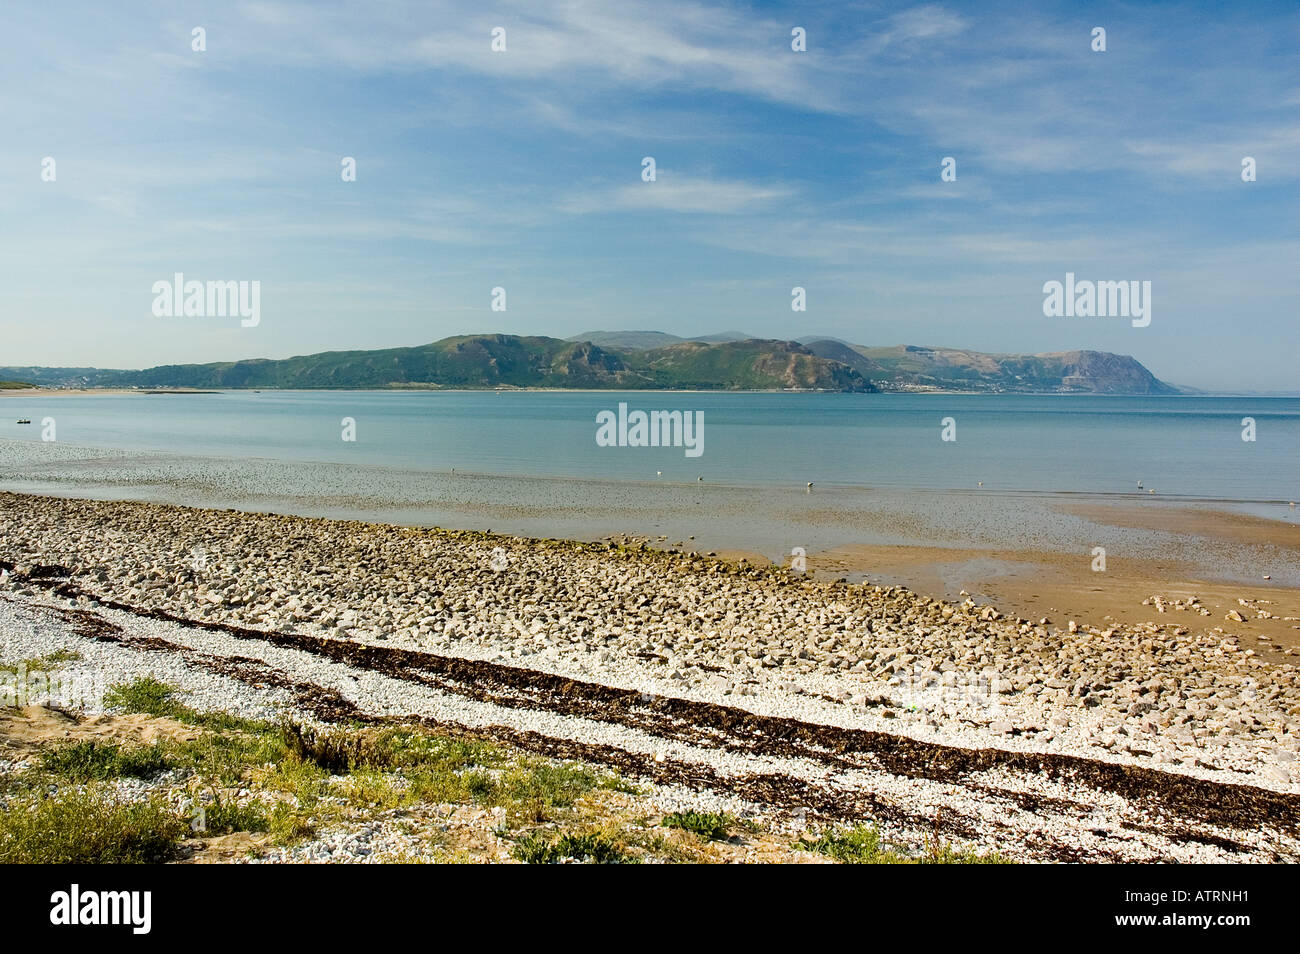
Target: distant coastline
514	362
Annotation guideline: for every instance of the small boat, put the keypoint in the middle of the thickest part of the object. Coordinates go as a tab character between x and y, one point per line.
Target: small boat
25	421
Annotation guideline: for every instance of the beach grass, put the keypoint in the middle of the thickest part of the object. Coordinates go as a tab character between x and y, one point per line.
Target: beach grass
290	781
862	845
92	760
324	775
225	817
88	827
150	696
711	826
593	847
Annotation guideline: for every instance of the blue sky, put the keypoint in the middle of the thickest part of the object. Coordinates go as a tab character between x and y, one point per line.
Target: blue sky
522	169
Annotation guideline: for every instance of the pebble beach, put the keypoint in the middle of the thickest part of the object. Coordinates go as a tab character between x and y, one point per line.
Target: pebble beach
751	686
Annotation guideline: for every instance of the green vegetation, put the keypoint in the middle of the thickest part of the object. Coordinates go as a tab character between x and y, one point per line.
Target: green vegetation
495	361
336	752
225	757
225	817
592	847
151	696
754	364
862	846
62	808
622	360
710	826
532	782
148	695
856	846
87	827
322	774
99	761
14	385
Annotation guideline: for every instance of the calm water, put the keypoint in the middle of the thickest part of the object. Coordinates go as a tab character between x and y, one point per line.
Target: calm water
1179	446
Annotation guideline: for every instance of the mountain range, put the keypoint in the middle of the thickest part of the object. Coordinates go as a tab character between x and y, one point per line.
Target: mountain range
640	360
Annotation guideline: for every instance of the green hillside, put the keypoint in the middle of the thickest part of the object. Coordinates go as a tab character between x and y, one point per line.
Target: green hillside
755	364
467	361
847	355
514	361
495	361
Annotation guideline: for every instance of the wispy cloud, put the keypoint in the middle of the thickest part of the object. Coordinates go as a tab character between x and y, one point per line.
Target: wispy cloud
671	192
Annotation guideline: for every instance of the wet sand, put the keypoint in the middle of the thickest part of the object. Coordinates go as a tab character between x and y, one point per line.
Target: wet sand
1197	520
1064	586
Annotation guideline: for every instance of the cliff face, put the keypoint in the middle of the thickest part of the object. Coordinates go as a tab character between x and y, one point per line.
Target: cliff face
1103	372
910	367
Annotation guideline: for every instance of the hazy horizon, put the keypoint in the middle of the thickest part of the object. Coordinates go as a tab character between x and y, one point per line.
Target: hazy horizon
522	169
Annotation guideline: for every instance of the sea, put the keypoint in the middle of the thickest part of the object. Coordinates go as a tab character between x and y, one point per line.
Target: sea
1177	446
951	469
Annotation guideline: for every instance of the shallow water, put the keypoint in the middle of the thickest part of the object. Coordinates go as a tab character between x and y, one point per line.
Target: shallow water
1179	446
528	463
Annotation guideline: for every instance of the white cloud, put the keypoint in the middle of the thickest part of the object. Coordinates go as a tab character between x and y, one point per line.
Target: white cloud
675	193
931	22
642	43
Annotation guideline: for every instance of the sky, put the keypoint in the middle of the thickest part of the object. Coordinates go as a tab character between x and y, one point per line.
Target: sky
522	169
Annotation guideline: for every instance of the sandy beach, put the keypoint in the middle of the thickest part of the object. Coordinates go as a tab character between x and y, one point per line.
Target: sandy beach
1036	583
1167	735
